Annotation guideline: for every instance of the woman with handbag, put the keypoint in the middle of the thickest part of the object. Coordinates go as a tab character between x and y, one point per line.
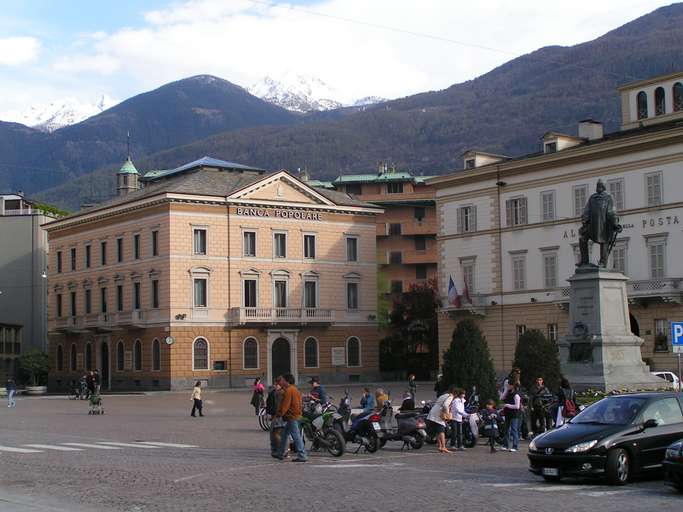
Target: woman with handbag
257	396
439	415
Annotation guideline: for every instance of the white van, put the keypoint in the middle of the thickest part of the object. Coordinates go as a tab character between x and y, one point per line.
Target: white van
669	377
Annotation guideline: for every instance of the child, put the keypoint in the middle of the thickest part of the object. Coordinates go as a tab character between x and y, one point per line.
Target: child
490	418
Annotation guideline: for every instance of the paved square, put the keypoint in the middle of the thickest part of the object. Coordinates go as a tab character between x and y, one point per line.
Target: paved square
147	454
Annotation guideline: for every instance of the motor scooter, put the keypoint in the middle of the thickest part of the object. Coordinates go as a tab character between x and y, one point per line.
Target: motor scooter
408	426
363	430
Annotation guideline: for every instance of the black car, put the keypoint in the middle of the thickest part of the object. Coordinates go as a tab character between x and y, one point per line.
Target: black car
673	464
615	438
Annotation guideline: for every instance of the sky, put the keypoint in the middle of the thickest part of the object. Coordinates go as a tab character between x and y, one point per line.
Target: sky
390	48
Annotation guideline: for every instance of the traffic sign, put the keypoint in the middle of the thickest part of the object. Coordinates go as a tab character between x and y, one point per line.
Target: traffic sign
677	337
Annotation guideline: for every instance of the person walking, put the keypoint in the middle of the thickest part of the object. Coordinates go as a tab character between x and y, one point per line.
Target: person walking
412	386
458	413
566	399
513	406
439	414
11	389
273	403
197	399
257	395
90	381
97	381
539	413
290	411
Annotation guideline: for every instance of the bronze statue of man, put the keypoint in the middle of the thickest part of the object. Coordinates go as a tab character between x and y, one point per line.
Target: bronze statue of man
600	224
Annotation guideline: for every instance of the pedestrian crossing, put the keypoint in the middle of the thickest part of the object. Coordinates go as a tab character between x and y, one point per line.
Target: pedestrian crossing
31	448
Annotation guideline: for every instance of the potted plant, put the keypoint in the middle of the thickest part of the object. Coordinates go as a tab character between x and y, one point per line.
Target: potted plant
33	367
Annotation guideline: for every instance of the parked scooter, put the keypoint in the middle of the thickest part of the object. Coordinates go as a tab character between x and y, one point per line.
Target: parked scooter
406	426
363	430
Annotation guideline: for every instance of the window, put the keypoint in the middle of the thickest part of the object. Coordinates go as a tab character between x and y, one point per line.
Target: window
420	243
467	266
103	300
72	252
120	356
395	257
311	353
659	101
394	229
616	189
137	355
666	411
72	303
519	272
397	287
641	105
419	213
470	163
279	245
653	183
59	262
354	188
73	359
155	243
548	205
656	249
103	253
309	246
59	304
155	293
88	301
394	188
550	270
136	296
353	352
250	294
552	332
87	256
60	358
156	355
136	246
119	297
550	147
199	241
678	96
619	257
249	244
420	271
351	248
280	294
250	353
200	354
661	335
200	295
580	198
119	250
520	329
88	356
516	211
467	219
310	294
352	296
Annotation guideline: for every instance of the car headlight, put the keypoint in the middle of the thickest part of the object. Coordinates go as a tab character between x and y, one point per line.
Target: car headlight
582	447
674	452
532	445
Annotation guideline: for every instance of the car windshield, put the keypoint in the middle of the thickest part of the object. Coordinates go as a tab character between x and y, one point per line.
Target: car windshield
614	410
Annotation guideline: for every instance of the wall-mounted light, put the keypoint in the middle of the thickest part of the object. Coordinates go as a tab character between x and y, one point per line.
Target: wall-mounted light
44	275
494	303
533	300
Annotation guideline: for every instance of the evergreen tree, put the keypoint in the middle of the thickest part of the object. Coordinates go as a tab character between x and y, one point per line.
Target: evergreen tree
536	356
467	362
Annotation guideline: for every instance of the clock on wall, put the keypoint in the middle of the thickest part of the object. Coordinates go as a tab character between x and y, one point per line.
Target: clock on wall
169	340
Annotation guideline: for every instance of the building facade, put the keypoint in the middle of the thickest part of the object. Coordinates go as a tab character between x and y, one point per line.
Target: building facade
509	227
23	284
217	272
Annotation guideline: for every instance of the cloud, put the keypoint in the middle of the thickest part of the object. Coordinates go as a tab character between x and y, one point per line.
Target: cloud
18	50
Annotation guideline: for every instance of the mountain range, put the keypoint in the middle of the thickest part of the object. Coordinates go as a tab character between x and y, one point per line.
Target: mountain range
504	111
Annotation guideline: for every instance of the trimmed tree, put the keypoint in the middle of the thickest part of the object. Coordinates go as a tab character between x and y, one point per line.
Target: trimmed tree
34	366
536	356
467	362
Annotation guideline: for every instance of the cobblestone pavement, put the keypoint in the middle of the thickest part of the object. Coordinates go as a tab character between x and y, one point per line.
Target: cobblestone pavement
55	457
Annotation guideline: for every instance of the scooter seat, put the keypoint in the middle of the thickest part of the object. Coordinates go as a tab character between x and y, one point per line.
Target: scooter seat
404	415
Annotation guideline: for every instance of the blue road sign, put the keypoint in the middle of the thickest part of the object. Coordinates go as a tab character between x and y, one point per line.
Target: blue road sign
677	337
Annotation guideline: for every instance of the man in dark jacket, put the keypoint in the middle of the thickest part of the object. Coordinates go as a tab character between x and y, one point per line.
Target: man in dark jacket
540	420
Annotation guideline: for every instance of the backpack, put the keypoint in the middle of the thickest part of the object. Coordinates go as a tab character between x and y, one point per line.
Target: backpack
270	403
569	407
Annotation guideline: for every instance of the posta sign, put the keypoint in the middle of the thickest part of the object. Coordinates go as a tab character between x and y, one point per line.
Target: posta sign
281	213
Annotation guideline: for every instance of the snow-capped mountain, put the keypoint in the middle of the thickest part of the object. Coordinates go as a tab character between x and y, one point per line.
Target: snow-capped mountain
59	113
304	93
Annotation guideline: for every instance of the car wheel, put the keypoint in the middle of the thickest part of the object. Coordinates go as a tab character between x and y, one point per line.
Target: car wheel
618	467
549	478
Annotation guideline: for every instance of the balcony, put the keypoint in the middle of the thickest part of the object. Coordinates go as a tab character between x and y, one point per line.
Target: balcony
476	307
424	227
67	325
420	257
135	319
282	316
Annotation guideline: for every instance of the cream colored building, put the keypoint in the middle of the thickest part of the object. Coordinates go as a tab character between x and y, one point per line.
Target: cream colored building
509	226
218	272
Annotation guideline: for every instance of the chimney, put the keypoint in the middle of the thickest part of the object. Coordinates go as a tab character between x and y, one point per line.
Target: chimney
590	129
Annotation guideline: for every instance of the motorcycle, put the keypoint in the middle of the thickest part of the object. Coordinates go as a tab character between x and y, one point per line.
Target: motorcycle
363	430
317	427
407	426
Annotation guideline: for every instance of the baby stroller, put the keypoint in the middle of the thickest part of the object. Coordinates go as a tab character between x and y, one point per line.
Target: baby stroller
95	401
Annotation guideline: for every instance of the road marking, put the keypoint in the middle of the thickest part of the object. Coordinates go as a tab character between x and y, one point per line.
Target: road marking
129	445
504	485
86	445
54	447
11	449
560	488
169	445
389	465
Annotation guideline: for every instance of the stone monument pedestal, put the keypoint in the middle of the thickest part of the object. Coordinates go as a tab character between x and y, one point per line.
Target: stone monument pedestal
600	351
